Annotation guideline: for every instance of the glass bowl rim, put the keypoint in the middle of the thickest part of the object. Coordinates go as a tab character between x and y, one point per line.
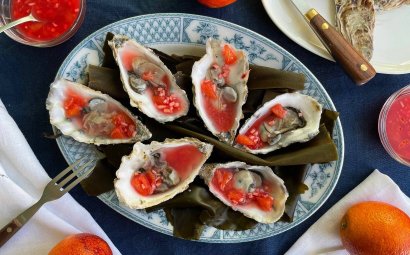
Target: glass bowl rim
18	37
382	124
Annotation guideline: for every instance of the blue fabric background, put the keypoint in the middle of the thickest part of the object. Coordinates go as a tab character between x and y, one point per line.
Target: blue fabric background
26	73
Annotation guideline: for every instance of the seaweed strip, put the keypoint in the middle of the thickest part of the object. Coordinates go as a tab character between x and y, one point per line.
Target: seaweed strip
293	176
201	208
101	179
108	60
262	77
106	80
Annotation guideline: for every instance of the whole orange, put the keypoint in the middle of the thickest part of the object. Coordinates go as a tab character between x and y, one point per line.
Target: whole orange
81	244
216	3
375	228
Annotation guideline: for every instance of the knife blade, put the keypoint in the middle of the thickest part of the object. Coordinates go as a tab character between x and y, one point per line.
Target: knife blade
354	64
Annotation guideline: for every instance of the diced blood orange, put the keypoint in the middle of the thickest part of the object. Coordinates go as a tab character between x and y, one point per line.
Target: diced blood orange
158	100
73	111
229	55
154	179
223	178
73	104
124	126
279	111
245	140
208	88
141	183
264	202
236	196
117	133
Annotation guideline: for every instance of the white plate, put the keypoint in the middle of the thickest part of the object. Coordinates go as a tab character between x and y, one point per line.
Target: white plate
391	36
186	34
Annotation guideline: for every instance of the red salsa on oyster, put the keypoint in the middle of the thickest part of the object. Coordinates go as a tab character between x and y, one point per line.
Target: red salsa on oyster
236	187
150	79
167	168
398	126
55	17
220	89
219	97
268	128
97	117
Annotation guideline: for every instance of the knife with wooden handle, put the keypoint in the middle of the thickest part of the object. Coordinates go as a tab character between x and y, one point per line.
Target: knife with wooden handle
354	64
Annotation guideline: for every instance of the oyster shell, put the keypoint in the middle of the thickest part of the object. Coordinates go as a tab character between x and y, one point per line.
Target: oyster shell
219	85
242	186
385	5
355	20
90	116
149	83
154	173
265	131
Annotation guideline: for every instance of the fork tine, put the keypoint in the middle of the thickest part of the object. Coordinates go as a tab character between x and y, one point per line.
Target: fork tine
73	174
74	183
65	171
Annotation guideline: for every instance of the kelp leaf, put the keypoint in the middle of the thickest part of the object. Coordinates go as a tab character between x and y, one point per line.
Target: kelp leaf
106	80
100	179
108	60
320	149
262	77
293	176
212	211
186	222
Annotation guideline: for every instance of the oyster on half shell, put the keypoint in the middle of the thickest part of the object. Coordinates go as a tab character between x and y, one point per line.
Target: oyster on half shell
286	119
154	173
90	116
254	191
149	83
219	85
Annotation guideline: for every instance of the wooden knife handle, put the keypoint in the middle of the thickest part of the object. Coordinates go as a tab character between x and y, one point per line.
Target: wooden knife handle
8	231
355	65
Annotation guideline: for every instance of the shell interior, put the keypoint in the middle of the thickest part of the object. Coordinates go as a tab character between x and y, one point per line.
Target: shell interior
219	88
276	185
304	114
149	83
177	162
92	116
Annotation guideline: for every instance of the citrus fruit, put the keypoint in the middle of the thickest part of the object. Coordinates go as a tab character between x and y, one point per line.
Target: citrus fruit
216	3
375	228
81	244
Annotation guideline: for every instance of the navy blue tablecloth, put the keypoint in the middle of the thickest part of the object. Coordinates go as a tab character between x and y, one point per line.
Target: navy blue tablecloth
26	72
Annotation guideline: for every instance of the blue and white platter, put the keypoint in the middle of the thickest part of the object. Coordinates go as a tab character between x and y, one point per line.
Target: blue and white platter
180	33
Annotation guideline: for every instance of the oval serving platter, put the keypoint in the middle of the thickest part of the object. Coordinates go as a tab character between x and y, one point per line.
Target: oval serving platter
186	34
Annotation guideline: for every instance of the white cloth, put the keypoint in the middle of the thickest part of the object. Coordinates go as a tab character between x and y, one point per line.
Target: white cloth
323	236
22	180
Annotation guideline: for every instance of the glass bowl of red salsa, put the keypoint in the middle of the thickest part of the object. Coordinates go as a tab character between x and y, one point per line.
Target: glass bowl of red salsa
394	125
58	20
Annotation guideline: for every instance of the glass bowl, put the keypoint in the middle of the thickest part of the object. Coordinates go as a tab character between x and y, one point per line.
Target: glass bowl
15	34
394	125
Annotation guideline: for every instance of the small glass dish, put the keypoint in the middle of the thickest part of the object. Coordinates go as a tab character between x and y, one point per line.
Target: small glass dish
16	34
394	125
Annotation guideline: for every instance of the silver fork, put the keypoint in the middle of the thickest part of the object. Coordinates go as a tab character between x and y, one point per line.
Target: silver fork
55	189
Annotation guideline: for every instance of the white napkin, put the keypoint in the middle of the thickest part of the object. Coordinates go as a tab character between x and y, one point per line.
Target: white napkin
22	180
323	236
